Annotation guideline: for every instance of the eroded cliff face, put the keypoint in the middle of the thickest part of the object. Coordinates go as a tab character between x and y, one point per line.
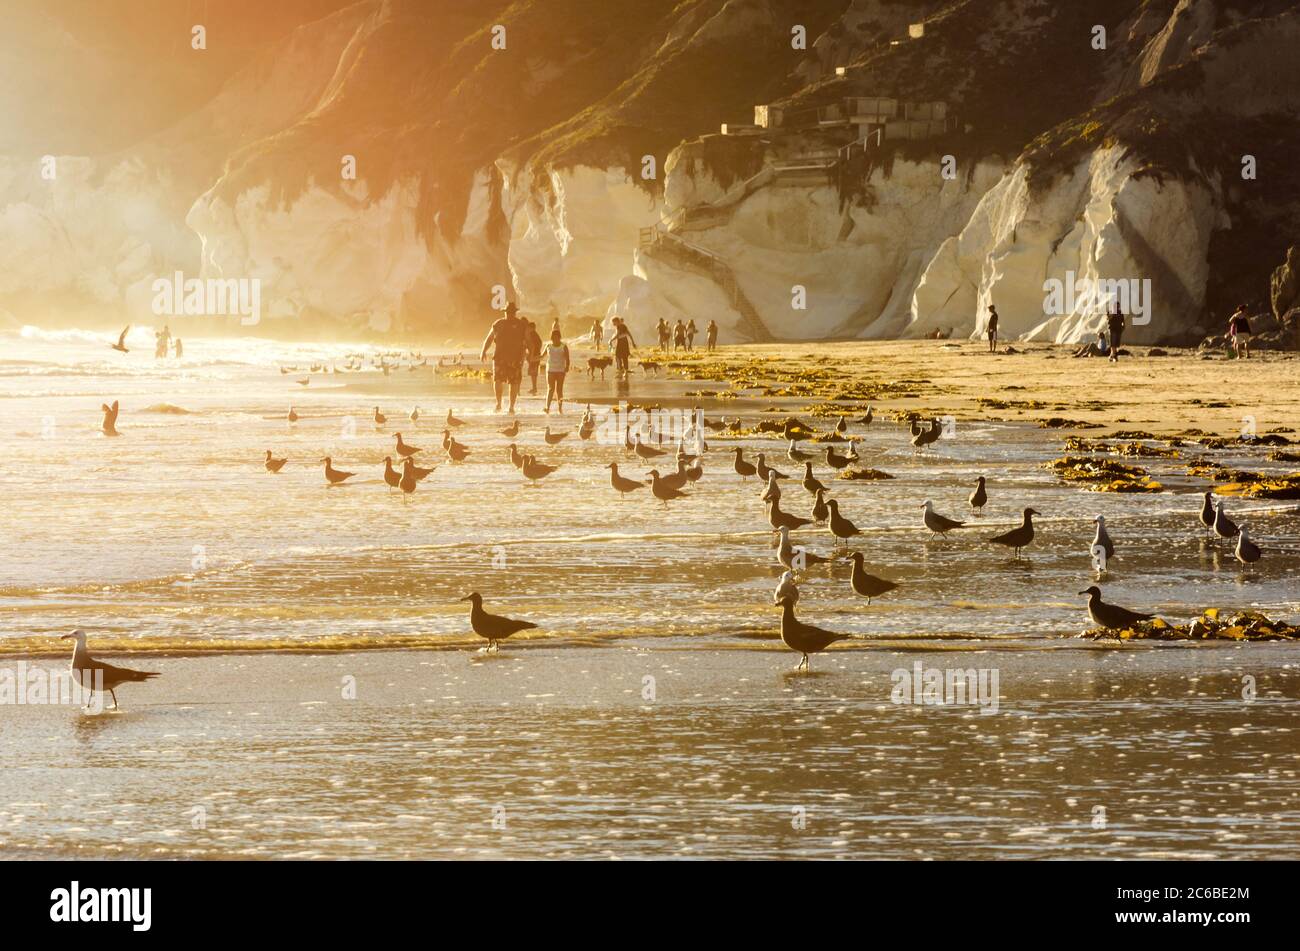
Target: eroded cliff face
522	168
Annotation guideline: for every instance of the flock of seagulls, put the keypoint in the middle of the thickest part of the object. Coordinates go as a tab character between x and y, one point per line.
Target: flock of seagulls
669	485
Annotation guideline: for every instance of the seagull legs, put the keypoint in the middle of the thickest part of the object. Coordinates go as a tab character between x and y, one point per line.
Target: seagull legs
114	696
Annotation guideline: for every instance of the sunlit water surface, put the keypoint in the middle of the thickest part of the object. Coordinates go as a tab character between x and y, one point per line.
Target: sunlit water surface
175	535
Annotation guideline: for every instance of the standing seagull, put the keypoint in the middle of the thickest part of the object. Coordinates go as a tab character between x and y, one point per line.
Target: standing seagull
820	510
392	478
120	346
335	476
1207	513
869	586
840	526
1019	537
494	627
979	498
1110	615
534	470
779	519
109	426
812	485
936	523
1247	551
836	461
795	454
380	418
1224	527
95	674
408	480
662	492
803	638
796	557
1102	538
273	464
743	469
403	449
765	471
786	589
622	485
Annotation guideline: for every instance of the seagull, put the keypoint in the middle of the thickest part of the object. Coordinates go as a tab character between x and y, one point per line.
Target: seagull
763	469
840	526
304	381
453	421
834	460
622	485
743	469
1224	527
414	415
120	346
778	519
794	429
95	674
796	557
293	415
663	493
553	438
1247	551
869	586
771	491
109	426
515	458
1110	615
403	449
820	510
380	418
534	470
811	483
676	479
1019	537
420	473
408	480
1207	512
866	419
786	589
1102	538
803	638
644	451
392	477
494	627
511	431
456	452
842	426
795	454
936	523
272	464
586	428
335	476
695	473
979	498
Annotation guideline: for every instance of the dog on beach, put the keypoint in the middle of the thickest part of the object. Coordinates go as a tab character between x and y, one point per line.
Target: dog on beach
598	363
650	367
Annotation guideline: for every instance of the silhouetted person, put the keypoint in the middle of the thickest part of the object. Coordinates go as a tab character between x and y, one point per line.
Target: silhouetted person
991	329
1239	332
557	365
711	335
507	340
1115	327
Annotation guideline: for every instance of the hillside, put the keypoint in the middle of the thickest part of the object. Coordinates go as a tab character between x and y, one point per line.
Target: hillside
477	166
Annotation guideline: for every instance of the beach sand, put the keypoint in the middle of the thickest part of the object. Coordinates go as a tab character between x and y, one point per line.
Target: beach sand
639	751
1163	395
560	745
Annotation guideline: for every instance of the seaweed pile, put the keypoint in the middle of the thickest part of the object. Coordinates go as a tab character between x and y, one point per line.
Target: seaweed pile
1242	626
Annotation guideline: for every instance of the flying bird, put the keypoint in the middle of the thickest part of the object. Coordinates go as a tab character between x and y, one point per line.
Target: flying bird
109	426
120	346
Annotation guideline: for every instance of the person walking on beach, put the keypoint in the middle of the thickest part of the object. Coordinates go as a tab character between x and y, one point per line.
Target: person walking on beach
1239	331
679	336
533	353
622	344
557	365
991	329
597	332
691	331
179	348
506	338
664	334
1115	326
711	335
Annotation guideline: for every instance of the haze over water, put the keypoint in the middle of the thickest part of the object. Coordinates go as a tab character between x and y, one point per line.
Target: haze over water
175	537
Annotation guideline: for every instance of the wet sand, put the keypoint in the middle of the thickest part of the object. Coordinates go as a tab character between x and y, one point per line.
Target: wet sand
643	752
293	587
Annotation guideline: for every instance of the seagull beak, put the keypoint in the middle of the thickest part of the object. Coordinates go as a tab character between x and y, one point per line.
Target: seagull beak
1083	592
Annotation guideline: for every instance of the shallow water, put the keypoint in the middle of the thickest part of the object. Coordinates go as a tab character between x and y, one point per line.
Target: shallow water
174	537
